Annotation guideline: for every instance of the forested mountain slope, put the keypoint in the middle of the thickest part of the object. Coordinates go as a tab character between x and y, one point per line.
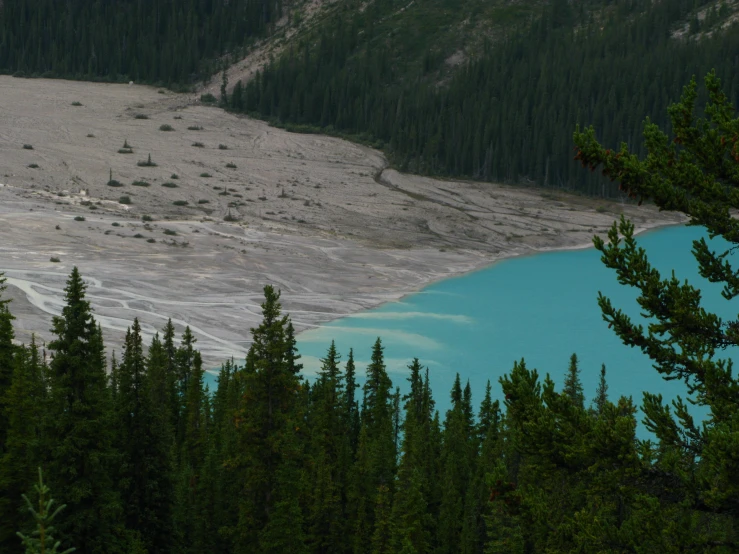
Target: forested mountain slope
172	42
508	113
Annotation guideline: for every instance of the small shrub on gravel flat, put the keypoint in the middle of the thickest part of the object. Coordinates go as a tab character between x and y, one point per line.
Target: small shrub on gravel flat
203	201
33	166
146	218
54	259
124	200
170	185
147	163
198	145
140	184
231	165
28	147
116	224
206	175
166	127
222	147
150	240
174	176
170	232
141	116
208	98
79	218
180	203
194	128
75	103
138	236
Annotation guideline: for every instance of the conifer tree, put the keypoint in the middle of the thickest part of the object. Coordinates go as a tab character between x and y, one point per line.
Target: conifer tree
25	405
78	430
350	403
7	350
170	355
601	393
330	450
42	541
143	441
573	386
269	426
411	522
457	456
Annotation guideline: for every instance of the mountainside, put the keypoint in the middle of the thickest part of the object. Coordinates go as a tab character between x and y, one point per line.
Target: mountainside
508	112
472	89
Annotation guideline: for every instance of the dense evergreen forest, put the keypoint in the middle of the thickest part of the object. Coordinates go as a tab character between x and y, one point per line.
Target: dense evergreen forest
147	459
153	41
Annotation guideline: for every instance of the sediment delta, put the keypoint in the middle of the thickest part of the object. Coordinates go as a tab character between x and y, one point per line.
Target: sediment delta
229	204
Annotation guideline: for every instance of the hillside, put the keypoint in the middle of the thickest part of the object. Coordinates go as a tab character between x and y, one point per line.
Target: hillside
507	111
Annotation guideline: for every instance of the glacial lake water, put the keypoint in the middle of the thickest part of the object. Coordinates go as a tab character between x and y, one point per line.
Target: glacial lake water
541	308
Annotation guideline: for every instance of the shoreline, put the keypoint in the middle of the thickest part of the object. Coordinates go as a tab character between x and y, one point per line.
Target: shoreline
657	226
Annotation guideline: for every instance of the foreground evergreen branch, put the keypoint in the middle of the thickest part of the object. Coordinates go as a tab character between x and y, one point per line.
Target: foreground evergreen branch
697	173
41	540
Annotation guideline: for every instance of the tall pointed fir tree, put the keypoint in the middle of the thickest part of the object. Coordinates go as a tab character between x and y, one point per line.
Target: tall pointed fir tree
79	434
601	393
144	444
457	458
411	523
350	403
375	464
7	350
270	515
573	386
25	405
330	453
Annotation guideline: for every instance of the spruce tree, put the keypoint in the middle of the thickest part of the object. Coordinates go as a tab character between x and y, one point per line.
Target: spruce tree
78	430
7	351
41	540
573	386
144	443
411	522
350	404
330	453
25	405
270	438
601	393
457	456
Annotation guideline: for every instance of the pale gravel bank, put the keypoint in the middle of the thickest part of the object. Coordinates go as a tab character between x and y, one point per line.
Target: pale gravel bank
316	216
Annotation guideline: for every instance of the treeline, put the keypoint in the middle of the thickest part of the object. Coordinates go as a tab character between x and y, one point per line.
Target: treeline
147	459
507	115
173	42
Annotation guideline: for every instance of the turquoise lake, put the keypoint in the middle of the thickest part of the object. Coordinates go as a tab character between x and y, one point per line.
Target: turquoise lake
541	308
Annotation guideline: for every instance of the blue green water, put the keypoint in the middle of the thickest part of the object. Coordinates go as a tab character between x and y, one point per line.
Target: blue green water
541	307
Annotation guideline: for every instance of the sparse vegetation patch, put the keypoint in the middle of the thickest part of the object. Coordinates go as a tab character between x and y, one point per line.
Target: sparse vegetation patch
147	163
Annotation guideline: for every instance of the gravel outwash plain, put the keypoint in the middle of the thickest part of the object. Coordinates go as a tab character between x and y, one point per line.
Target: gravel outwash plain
233	204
